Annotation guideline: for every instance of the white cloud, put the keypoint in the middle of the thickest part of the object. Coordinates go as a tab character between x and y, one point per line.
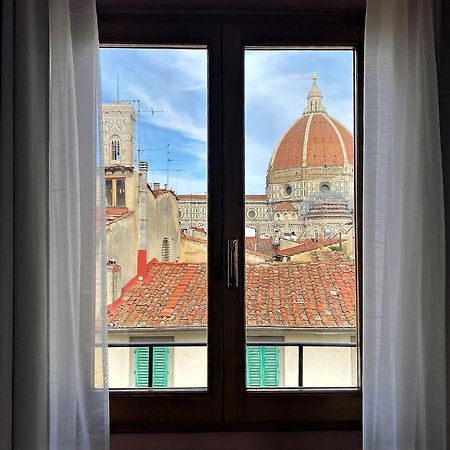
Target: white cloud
277	83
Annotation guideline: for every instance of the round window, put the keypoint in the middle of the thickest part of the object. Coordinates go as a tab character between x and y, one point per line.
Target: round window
251	214
324	188
287	190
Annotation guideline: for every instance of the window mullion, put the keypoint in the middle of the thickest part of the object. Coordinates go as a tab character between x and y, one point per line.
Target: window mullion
234	223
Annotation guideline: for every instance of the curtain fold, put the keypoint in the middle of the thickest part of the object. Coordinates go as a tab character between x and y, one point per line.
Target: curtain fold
78	395
24	226
404	389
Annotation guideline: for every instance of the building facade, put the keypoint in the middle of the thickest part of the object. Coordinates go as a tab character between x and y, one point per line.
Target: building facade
141	222
309	181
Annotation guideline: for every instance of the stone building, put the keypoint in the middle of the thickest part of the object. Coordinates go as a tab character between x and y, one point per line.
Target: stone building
141	222
309	181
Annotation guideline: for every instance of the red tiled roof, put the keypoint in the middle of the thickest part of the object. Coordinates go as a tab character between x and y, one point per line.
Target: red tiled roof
194	239
204	197
192	197
286	206
111	211
158	192
317	294
265	245
256	197
327	141
308	245
114	214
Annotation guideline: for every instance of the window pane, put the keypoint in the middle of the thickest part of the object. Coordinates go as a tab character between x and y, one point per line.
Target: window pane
108	189
300	265
155	150
120	192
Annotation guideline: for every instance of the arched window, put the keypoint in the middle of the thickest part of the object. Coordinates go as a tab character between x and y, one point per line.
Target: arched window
115	148
165	250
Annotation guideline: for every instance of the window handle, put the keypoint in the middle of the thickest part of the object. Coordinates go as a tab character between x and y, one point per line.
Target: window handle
233	245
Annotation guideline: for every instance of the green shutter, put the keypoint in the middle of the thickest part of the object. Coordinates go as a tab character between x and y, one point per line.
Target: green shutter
271	372
262	369
141	367
254	366
160	366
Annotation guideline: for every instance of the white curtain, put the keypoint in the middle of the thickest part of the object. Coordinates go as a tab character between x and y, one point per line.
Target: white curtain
52	313
404	391
78	394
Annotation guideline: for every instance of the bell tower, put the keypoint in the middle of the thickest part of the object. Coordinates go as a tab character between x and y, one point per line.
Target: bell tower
118	134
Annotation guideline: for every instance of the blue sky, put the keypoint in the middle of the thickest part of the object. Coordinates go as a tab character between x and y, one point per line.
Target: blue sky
175	81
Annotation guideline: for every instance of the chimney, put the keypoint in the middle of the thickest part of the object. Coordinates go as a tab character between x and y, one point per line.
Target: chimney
156	186
143	228
258	238
276	238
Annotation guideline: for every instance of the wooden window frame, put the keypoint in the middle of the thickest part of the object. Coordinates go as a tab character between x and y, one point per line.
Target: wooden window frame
226	404
114	190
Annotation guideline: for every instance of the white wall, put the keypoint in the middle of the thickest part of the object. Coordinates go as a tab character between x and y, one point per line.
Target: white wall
190	364
322	366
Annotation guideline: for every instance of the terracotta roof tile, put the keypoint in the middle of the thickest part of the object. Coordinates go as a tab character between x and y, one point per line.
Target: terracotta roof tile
193	239
317	294
114	214
264	245
256	197
327	140
285	206
192	197
158	192
204	197
308	245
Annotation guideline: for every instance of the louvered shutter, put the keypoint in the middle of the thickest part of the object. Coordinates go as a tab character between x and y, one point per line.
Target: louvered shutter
160	366
141	367
271	368
254	365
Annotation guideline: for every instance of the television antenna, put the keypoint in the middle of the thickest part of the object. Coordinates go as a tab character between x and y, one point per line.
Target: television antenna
152	111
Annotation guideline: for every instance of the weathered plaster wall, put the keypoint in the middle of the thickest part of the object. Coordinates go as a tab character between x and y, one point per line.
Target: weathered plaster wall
163	223
122	245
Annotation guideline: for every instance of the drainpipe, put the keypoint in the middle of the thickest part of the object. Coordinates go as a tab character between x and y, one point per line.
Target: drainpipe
142	252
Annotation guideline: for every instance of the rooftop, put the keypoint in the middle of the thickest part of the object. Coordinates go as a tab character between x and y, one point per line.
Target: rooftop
316	294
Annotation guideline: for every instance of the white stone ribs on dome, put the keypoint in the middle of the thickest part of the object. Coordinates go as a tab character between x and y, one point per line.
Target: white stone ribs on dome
305	141
341	141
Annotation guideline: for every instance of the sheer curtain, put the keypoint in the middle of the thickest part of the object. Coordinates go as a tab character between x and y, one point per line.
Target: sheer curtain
52	317
78	395
404	263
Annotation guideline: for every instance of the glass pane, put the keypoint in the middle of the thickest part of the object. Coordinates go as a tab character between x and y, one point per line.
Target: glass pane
120	192
300	261
108	190
155	151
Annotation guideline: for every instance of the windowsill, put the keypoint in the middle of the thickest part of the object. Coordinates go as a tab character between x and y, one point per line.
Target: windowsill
317	409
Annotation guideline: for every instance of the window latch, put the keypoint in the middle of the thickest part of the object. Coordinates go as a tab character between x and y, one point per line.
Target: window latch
232	279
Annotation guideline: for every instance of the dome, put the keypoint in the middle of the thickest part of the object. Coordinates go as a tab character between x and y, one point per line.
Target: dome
314	140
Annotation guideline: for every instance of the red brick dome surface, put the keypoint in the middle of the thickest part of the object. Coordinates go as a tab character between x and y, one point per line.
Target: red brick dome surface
316	139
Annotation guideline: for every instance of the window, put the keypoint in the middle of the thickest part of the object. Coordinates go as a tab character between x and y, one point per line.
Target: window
251	213
115	148
115	192
232	364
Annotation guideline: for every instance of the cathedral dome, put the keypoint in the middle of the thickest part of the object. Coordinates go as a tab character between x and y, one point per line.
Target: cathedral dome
314	140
